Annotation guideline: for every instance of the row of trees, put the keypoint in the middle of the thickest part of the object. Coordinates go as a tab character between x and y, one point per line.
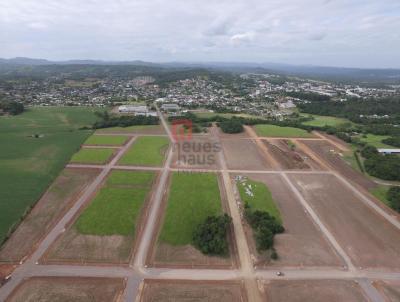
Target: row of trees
11	107
107	120
265	227
393	195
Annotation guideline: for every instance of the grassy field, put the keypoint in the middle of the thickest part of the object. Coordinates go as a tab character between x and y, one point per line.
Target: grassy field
28	164
117	206
380	193
192	198
277	131
321	121
106	140
146	151
375	140
92	156
262	198
130	129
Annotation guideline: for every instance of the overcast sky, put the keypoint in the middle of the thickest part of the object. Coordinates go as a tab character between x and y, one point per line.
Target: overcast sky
356	33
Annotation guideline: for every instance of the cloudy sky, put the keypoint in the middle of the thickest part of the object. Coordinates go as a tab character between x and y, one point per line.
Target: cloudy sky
357	33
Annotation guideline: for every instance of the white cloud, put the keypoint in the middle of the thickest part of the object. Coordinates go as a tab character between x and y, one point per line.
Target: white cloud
292	31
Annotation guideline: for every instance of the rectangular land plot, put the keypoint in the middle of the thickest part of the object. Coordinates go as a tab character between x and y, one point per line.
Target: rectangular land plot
277	131
313	291
389	289
332	156
68	289
367	238
243	154
197	153
106	230
59	197
106	140
139	129
92	156
302	244
289	155
192	197
146	151
200	291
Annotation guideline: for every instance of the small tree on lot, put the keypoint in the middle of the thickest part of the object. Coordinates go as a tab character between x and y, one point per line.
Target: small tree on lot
231	126
210	236
393	196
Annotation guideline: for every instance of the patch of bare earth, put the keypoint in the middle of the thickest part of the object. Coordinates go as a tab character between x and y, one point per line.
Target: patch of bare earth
61	195
201	152
333	157
389	289
68	289
302	244
367	237
243	154
313	291
201	291
289	158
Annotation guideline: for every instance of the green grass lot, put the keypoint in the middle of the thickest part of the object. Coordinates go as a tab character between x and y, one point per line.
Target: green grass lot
29	165
277	131
375	140
192	198
262	199
146	151
130	129
107	140
92	156
380	193
226	115
117	206
321	121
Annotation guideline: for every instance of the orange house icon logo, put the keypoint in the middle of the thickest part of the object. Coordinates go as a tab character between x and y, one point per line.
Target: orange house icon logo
182	129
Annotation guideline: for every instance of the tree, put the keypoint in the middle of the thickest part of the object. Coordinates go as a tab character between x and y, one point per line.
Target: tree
393	196
210	236
11	107
369	151
231	126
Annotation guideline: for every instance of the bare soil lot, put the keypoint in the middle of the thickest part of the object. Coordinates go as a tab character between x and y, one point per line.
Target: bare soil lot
199	291
368	239
162	254
61	195
389	289
68	289
331	155
302	244
288	158
313	291
243	154
198	153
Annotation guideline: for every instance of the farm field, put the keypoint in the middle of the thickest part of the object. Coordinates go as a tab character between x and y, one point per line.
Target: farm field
68	289
321	121
138	129
146	151
92	156
302	244
185	210
313	291
36	162
244	154
59	197
366	236
277	131
182	291
106	140
106	230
